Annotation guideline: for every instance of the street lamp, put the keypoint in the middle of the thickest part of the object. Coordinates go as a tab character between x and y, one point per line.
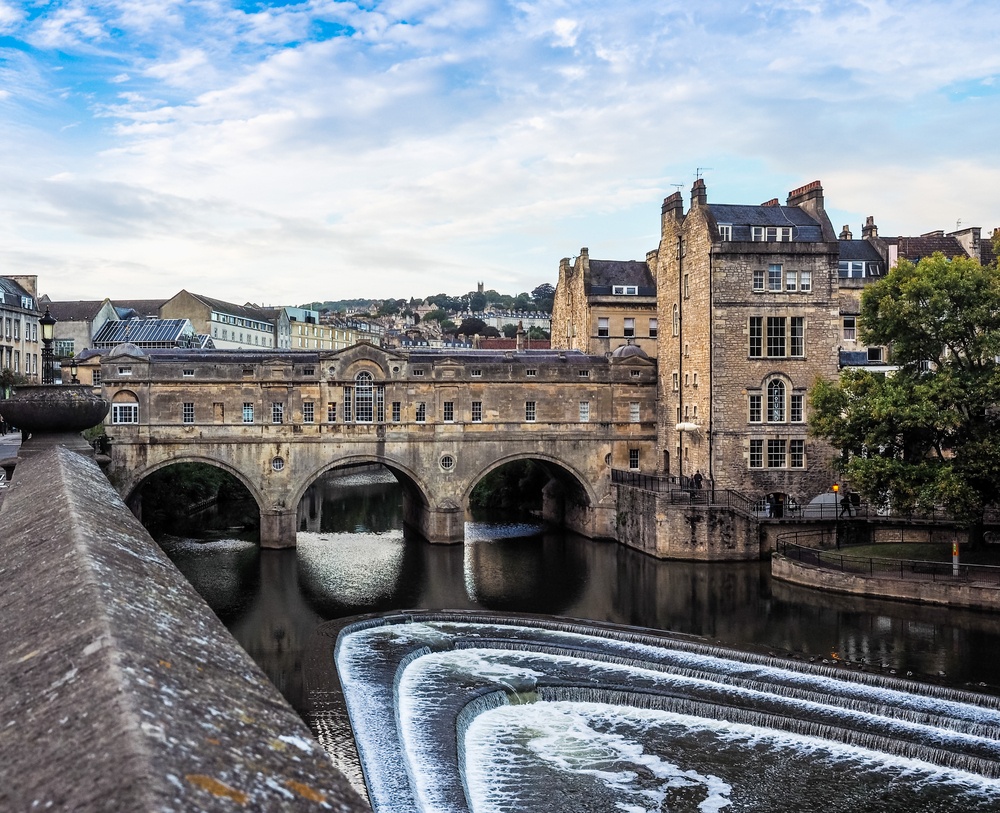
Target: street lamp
73	370
48	326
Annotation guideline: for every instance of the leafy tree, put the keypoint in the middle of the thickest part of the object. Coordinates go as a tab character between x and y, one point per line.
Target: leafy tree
537	333
436	315
477	302
523	302
510	330
927	434
543	297
473	326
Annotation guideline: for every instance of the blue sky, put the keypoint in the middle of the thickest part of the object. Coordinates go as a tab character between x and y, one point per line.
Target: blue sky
283	152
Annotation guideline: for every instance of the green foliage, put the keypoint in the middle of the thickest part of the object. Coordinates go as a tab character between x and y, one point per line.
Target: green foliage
928	434
516	485
510	330
543	297
436	315
537	333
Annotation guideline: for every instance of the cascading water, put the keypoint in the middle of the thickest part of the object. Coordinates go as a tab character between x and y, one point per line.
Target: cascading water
475	712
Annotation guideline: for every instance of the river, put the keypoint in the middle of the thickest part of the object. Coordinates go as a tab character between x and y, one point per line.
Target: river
353	558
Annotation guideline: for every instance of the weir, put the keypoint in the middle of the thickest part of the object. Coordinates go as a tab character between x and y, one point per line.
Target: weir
448	708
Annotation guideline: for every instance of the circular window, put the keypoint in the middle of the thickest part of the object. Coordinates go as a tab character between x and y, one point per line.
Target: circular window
278	463
395	370
447	462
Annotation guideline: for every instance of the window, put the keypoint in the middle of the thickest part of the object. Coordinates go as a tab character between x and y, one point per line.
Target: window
875	354
756	454
125	413
653	326
421	412
17	330
331	411
633	412
851	268
308	412
675	380
187	412
635	373
633	458
850	328
418	373
477	411
776	401
247	412
583	373
396	411
363	398
775	453
124	371
771	234
791	281
603	327
308	371
797	453
725	231
776	336
774	277
756	336
477	373
449	411
624	290
531	373
629	327
805	281
797	332
96	378
795	408
676	321
758	279
277	463
188	373
277	412
687	286
584	411
248	371
529	411
447	462
755	410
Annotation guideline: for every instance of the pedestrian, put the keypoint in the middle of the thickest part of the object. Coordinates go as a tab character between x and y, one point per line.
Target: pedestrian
845	505
698	479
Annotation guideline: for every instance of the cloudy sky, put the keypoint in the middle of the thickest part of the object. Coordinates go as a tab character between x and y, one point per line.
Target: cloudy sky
284	152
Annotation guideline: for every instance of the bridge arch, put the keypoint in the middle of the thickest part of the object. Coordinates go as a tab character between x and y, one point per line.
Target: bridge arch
130	487
553	465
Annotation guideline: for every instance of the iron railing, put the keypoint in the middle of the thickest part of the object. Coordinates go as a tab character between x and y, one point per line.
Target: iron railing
681	490
907	569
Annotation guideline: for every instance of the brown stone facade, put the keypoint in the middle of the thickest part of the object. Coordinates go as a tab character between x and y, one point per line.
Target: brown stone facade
749	317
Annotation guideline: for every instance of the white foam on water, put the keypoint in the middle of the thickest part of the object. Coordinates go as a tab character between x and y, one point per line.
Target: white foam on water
330	561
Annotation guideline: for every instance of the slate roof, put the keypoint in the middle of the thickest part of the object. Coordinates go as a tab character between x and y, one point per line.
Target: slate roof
143	308
606	273
82	310
741	217
859	250
246	311
916	248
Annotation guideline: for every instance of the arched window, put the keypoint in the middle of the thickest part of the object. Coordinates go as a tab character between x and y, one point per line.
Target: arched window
776	401
363	398
125	408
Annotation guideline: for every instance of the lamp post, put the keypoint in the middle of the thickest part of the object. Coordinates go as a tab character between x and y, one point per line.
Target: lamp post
48	325
73	370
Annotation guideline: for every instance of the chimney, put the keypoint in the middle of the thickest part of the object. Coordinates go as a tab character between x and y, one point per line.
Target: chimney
845	233
673	207
771	202
699	194
810	192
519	340
869	229
27	281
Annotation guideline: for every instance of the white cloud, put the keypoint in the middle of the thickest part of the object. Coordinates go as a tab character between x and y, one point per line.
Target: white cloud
441	140
10	17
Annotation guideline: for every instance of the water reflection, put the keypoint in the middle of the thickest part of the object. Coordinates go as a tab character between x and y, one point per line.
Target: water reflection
272	600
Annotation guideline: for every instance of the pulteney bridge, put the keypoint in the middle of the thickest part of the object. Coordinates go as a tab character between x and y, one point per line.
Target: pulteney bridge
439	420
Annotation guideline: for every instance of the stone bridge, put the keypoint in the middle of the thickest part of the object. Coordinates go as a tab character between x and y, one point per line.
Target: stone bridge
439	420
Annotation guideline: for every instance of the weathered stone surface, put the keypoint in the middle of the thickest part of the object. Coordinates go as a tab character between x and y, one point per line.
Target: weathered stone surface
121	690
55	408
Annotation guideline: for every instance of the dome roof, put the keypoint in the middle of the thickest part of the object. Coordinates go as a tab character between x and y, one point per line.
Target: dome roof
629	351
126	349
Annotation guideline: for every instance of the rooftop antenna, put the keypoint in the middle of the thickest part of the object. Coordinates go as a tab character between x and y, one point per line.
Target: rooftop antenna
677	186
699	170
958	224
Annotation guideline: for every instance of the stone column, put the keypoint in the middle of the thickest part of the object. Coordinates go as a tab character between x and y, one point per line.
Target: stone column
277	528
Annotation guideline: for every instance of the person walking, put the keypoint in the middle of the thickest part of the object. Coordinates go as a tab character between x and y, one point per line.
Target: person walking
845	505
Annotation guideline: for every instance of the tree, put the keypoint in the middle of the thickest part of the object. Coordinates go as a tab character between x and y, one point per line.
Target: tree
537	333
543	297
510	330
436	315
477	302
928	434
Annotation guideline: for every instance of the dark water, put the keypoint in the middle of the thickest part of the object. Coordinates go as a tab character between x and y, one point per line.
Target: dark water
352	558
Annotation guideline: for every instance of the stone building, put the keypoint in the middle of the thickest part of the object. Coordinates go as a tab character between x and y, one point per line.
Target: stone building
231	326
19	340
750	314
601	305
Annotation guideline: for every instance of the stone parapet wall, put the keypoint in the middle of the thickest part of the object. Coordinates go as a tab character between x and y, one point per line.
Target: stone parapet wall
944	592
121	689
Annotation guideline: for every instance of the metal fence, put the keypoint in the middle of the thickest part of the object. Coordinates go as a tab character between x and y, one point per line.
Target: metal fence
908	569
681	490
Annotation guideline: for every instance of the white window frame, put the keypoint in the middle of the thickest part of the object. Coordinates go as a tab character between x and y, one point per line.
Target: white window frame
585	412
124	413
